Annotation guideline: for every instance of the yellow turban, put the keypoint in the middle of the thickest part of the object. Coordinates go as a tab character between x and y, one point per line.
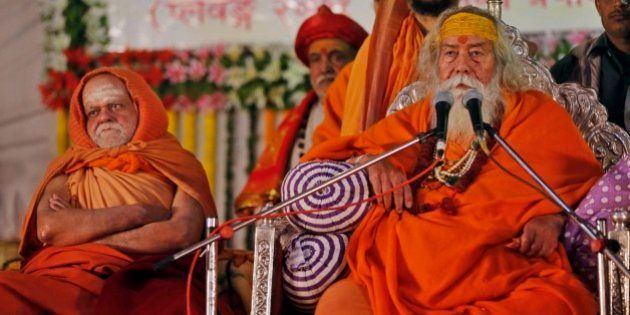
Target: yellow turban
465	24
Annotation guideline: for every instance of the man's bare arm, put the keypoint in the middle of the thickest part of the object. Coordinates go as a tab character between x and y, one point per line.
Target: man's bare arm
59	223
184	228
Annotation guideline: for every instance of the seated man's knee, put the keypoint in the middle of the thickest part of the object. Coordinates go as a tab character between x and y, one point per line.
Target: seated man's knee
344	297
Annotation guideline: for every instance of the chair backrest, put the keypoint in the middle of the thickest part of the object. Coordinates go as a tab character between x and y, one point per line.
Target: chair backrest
608	141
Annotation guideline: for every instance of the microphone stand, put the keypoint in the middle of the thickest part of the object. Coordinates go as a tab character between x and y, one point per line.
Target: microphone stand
590	231
419	138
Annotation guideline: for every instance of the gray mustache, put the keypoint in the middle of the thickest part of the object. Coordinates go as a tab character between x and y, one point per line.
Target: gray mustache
324	77
106	125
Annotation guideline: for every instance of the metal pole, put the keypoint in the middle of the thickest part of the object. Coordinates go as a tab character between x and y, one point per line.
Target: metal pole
421	137
592	233
211	270
602	272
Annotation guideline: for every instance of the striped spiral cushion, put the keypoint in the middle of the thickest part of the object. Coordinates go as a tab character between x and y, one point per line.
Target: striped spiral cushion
352	189
311	264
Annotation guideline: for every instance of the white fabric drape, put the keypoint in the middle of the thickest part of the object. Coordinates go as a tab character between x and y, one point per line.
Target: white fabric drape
26	127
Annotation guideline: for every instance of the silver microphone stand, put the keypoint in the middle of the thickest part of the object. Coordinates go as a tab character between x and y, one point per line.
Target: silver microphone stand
420	138
590	231
210	245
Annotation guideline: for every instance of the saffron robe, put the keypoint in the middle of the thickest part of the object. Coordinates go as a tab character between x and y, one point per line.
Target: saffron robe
345	103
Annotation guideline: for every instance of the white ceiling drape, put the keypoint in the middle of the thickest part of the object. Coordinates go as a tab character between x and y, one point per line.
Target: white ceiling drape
26	128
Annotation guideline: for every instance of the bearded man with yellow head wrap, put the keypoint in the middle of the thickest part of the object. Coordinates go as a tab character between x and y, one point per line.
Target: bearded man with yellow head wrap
446	247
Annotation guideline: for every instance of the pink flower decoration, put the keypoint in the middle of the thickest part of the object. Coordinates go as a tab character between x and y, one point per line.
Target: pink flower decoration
216	73
182	102
576	38
214	101
184	55
176	72
196	70
218	50
203	53
551	42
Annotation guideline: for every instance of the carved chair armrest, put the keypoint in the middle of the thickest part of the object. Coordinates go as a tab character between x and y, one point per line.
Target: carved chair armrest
270	239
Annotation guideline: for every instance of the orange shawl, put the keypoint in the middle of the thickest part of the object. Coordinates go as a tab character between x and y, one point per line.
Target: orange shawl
151	145
333	105
436	261
355	111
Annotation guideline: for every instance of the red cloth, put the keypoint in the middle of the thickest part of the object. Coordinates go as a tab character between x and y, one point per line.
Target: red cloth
326	24
138	289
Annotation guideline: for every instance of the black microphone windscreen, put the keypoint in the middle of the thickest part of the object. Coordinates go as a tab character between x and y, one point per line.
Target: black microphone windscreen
472	94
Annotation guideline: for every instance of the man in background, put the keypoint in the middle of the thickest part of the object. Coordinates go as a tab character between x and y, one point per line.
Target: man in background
603	63
325	43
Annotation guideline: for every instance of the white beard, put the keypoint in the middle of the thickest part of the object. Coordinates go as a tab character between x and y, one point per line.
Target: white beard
460	128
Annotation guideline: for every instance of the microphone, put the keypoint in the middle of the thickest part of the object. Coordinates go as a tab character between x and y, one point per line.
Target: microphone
472	101
442	101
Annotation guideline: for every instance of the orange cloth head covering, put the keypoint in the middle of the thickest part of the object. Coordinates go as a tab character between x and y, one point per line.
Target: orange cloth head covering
152	123
326	24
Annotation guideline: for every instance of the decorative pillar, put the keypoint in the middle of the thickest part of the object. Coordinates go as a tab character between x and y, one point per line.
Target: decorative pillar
173	122
208	152
189	131
62	130
494	7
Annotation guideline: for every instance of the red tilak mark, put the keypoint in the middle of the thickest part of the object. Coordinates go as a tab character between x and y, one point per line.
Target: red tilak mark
462	39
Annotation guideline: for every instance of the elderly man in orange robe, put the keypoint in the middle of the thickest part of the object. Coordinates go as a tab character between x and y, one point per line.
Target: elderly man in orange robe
124	190
446	247
385	64
325	43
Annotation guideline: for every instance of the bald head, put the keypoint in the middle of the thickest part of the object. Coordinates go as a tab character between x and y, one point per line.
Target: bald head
111	115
